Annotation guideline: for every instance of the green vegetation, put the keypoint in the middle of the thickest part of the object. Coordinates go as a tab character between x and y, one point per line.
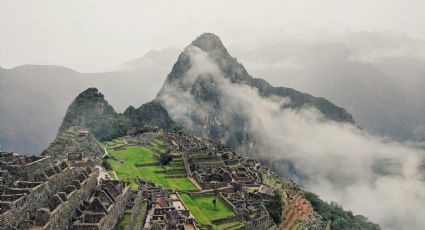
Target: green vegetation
112	175
149	174
139	221
123	222
159	146
124	162
105	163
340	219
230	226
150	115
274	207
115	142
203	209
92	111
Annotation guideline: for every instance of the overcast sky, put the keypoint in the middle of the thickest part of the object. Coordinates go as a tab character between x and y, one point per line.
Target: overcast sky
99	35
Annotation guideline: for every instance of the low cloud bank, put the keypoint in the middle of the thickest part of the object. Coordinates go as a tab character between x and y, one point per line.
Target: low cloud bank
367	174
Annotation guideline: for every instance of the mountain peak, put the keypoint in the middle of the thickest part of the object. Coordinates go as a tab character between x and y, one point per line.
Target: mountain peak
204	88
91	92
91	111
208	42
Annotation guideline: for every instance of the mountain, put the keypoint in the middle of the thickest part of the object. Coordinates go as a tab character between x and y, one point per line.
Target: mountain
384	95
204	75
151	114
34	98
92	111
376	76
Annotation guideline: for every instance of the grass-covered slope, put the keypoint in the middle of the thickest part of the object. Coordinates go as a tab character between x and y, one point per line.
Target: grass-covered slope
138	161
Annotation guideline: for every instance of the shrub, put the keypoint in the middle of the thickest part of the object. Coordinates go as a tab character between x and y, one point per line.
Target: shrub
274	207
105	164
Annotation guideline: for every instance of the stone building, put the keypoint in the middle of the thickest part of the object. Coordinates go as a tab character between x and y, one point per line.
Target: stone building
40	193
104	208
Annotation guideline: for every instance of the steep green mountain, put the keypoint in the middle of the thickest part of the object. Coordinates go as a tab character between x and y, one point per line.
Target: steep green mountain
151	114
198	90
92	111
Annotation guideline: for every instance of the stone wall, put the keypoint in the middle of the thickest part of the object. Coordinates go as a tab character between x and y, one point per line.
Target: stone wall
135	211
116	210
60	217
263	222
41	197
38	197
227	220
29	171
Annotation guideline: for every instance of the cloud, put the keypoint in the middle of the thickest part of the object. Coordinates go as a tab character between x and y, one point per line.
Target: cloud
377	76
370	175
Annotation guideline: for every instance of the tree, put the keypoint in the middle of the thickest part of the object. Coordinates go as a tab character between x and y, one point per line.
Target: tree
274	207
340	219
106	165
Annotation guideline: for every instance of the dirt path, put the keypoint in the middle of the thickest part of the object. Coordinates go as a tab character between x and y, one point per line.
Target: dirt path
195	182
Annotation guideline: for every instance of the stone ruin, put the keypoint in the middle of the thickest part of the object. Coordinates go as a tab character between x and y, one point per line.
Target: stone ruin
165	209
105	206
218	169
38	192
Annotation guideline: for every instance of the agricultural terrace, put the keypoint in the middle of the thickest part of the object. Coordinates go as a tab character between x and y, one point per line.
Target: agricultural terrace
130	162
204	212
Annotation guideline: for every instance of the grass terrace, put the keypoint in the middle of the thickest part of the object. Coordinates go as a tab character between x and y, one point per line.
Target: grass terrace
203	210
159	146
115	142
142	162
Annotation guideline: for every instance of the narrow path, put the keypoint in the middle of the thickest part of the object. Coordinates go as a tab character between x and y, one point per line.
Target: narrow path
193	180
106	153
102	173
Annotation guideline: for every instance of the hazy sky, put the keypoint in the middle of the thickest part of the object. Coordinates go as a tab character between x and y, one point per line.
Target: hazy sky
99	35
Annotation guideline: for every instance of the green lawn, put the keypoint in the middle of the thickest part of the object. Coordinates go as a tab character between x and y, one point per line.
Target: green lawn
139	154
159	178
159	145
203	210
